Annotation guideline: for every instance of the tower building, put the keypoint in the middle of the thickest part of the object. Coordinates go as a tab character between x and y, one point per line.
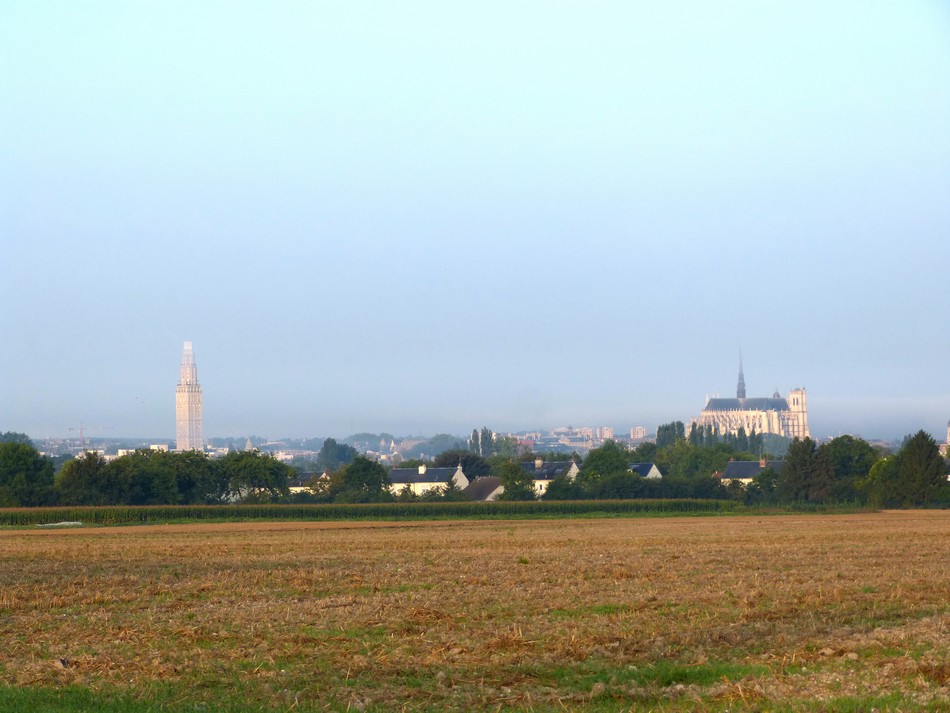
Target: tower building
188	404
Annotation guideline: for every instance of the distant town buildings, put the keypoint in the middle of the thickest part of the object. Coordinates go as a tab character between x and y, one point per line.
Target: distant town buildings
782	416
573	439
188	404
161	447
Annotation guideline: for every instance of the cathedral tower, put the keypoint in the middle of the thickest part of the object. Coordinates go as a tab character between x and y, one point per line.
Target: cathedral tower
798	405
188	404
740	388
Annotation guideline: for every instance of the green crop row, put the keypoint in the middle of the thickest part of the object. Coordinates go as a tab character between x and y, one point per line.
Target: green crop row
126	515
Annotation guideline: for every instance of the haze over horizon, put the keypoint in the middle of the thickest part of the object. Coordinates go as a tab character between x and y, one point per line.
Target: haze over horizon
422	218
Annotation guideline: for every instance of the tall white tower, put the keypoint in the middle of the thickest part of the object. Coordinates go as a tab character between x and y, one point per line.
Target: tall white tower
188	404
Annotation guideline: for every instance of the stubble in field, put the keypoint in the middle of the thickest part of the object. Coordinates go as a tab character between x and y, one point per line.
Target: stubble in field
794	612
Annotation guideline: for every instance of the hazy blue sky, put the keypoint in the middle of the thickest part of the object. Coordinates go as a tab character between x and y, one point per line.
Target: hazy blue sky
434	216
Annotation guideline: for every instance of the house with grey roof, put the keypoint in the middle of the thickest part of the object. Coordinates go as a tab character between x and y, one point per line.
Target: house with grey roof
422	479
646	470
485	489
744	471
543	472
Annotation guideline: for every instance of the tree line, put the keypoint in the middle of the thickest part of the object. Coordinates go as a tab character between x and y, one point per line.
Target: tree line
844	470
145	477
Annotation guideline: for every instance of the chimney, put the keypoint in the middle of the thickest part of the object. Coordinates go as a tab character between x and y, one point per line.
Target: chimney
538	462
422	469
763	462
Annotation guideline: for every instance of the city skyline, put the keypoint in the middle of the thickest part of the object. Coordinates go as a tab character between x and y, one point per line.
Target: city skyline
429	218
189	417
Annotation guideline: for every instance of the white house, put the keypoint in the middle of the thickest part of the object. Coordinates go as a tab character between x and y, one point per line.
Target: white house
542	473
422	479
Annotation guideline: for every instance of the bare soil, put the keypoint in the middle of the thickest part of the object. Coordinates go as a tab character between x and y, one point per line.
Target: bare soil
677	613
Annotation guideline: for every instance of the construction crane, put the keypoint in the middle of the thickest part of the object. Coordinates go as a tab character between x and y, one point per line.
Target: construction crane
82	437
82	434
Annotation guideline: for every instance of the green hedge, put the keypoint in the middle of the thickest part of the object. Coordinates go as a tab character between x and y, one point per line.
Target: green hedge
126	515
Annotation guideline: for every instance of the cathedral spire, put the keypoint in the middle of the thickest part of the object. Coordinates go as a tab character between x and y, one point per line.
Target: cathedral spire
740	388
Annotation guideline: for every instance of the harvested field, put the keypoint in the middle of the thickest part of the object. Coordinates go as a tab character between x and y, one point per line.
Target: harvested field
834	612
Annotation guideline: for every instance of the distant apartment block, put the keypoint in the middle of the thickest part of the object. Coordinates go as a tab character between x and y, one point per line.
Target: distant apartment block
638	433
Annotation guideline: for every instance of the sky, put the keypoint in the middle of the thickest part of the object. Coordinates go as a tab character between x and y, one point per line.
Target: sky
425	217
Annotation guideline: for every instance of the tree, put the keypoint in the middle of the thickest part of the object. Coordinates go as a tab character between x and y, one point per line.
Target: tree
644	453
363	481
821	478
742	440
805	478
333	455
86	481
921	471
451	492
486	443
793	481
668	433
473	465
762	489
695	434
563	488
550	456
150	477
254	476
851	460
608	459
439	443
406	495
195	478
15	437
415	463
26	477
756	442
619	486
507	446
880	487
518	483
686	461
